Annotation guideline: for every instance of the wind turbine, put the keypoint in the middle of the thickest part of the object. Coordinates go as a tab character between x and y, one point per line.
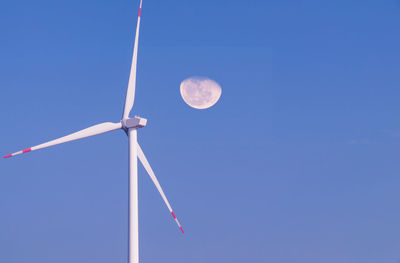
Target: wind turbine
130	126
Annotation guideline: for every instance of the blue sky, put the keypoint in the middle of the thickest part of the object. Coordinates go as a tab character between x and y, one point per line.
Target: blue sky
297	162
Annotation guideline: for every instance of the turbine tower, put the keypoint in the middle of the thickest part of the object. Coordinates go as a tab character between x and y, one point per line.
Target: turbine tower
130	126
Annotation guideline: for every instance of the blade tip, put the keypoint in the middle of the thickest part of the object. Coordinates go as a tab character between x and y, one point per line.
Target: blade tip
183	232
7	156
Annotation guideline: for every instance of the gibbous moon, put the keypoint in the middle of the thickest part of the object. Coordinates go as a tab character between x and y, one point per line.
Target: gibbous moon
200	92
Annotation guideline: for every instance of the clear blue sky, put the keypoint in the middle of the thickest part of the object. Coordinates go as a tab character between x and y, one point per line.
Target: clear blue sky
298	161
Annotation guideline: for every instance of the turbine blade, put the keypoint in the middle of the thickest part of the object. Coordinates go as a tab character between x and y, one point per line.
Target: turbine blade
130	93
94	130
147	166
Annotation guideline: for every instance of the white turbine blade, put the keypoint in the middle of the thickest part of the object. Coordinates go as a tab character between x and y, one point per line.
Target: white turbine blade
147	166
94	130
130	93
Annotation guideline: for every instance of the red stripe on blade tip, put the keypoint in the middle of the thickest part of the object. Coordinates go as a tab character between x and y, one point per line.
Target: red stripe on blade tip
172	212
182	230
26	150
8	156
140	10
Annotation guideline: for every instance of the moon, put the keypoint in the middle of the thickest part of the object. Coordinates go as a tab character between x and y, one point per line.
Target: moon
200	92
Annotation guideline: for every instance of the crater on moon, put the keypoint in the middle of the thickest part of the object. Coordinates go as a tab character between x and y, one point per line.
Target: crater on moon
200	92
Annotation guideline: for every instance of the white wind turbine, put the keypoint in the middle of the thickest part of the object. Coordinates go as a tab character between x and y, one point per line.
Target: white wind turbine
130	126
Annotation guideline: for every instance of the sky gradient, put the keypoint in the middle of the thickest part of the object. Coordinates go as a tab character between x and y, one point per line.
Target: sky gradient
297	162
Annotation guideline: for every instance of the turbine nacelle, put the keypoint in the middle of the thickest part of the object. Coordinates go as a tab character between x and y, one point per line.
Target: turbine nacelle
133	123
